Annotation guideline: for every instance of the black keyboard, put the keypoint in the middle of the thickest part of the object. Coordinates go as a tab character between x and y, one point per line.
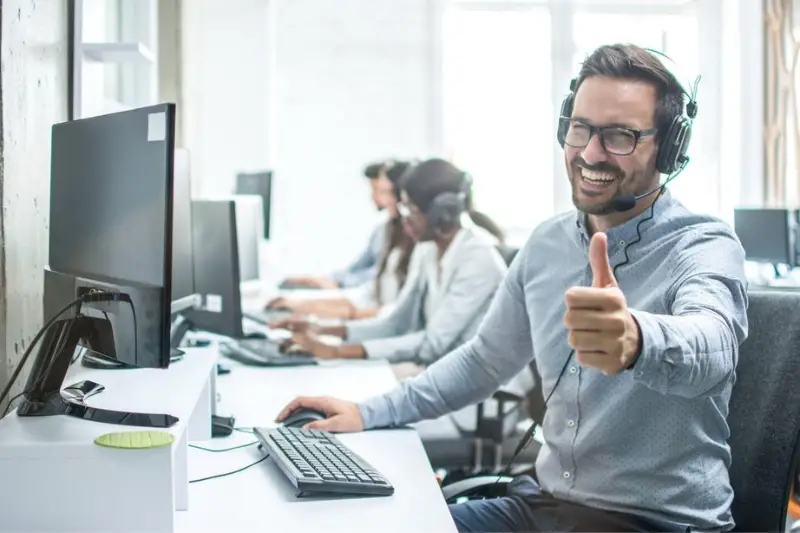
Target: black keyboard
263	352
317	462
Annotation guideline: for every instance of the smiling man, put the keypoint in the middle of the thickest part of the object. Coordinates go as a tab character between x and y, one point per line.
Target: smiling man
633	309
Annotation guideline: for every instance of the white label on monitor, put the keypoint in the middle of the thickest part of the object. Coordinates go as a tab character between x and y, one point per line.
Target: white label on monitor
213	303
156	127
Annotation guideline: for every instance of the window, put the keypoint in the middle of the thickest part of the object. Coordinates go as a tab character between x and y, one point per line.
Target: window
498	110
675	35
114	56
502	61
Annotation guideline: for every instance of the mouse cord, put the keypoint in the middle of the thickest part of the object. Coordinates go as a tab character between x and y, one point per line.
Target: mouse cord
220	450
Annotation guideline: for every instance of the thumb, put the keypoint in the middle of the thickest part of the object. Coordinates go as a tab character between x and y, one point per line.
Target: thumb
602	274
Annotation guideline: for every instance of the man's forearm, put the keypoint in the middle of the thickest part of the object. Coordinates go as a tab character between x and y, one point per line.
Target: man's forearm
690	355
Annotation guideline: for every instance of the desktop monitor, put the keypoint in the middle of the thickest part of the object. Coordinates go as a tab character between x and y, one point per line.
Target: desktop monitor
249	228
111	249
768	234
258	183
183	295
111	224
216	268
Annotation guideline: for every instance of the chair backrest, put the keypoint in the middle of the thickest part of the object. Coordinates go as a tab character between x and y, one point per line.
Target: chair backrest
507	252
765	412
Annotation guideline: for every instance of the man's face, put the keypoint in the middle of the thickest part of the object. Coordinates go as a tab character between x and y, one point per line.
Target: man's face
381	192
414	222
626	164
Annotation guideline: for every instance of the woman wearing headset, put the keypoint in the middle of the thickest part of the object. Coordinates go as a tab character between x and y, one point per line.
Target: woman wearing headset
369	299
456	271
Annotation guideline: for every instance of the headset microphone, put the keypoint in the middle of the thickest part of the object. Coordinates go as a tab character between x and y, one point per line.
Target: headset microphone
626	202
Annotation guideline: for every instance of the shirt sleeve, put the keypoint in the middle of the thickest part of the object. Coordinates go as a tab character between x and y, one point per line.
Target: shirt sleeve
501	349
692	352
467	296
365	266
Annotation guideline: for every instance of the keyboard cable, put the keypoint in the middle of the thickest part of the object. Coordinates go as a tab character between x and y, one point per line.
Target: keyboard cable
220	450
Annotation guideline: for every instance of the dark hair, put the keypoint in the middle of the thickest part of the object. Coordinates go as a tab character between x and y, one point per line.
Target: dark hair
628	61
374	170
435	176
396	236
395	172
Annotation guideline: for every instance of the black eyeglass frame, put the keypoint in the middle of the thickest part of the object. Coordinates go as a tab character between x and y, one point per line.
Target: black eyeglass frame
599	130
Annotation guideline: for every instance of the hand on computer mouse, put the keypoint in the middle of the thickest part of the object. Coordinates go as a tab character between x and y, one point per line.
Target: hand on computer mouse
343	416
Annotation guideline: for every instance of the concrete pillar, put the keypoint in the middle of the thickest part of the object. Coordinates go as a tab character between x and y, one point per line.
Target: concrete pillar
33	96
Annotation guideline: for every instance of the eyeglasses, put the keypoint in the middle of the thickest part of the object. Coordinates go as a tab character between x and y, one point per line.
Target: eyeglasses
614	139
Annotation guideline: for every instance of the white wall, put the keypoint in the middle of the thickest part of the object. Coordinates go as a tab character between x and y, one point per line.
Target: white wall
339	82
34	96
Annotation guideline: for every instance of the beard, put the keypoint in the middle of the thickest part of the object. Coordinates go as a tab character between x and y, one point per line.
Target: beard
596	187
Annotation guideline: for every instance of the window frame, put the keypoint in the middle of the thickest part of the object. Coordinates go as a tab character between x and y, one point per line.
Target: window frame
134	17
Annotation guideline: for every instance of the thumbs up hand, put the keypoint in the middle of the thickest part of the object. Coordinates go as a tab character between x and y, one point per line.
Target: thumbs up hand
602	331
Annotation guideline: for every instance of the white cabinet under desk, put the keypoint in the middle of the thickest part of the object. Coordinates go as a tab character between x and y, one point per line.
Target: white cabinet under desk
55	478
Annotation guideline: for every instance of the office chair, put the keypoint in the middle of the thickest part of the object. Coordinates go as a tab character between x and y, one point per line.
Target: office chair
507	252
489	445
764	418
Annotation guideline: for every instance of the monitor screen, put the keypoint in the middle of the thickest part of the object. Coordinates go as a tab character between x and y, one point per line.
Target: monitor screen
182	261
766	234
259	183
110	201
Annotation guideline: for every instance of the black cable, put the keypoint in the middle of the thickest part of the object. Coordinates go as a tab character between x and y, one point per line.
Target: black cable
94	295
34	342
216	476
10	403
220	450
528	435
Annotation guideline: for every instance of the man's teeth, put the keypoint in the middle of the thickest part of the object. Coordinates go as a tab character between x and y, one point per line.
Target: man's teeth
597	177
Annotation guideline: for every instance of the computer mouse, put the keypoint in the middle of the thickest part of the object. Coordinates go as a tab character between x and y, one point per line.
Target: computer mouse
301	417
255	335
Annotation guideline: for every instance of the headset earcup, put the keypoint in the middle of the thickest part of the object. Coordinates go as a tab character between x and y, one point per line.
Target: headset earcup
673	146
445	210
563	125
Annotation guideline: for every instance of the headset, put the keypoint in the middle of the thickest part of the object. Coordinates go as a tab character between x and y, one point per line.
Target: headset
673	145
446	208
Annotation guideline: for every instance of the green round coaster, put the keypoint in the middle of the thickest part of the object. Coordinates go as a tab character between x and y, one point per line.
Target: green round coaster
135	440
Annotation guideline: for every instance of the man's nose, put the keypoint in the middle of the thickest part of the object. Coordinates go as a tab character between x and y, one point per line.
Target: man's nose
594	152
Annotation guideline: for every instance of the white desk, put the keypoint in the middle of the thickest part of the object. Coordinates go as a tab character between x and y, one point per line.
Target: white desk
262	499
57	479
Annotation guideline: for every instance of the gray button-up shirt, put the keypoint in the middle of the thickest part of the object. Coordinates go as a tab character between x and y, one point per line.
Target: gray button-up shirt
651	441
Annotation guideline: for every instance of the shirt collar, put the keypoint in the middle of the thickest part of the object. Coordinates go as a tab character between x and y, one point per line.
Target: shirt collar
627	231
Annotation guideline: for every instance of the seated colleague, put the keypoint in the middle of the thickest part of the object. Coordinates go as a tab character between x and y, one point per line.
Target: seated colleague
637	351
363	268
392	271
458	271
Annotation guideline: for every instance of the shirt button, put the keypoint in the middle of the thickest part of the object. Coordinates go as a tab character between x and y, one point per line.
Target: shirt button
570	423
622	243
573	369
567	475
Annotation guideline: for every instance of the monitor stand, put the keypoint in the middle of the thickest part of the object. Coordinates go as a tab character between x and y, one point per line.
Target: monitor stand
44	397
